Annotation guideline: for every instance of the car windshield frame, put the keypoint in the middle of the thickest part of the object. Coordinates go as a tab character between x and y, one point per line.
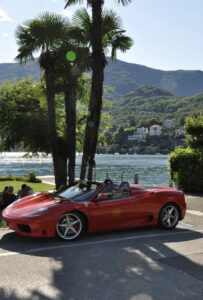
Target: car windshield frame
78	192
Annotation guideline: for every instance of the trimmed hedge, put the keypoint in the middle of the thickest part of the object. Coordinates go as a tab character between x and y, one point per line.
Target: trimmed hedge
186	166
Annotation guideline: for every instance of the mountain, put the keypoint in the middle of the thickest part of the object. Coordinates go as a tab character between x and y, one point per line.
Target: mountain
14	71
127	77
124	77
151	103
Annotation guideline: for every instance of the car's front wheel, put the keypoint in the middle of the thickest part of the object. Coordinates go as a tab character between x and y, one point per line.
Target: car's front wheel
70	226
169	216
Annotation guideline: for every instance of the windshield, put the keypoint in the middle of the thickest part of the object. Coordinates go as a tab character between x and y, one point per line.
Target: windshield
77	192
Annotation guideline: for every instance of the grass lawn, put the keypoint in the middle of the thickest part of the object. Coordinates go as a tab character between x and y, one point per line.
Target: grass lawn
37	187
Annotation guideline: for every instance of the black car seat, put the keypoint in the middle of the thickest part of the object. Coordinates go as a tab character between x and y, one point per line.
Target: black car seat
124	187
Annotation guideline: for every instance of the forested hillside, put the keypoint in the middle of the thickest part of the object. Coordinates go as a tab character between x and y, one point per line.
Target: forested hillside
124	77
149	104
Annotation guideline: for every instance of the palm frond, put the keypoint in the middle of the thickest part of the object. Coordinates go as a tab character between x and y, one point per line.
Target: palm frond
82	19
42	33
49	28
25	54
77	36
26	42
72	2
110	21
122	43
124	2
113	33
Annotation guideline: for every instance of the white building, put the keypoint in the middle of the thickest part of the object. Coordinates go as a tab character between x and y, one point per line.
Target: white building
155	130
169	123
139	135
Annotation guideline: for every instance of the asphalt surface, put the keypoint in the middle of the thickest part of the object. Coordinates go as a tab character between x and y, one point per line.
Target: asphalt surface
141	264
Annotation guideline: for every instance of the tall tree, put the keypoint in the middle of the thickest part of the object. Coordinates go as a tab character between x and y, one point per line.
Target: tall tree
70	73
41	35
95	103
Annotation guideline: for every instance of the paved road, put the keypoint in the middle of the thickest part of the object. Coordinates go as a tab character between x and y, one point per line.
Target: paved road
139	264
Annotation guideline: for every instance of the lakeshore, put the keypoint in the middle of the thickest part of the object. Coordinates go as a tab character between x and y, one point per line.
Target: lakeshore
151	169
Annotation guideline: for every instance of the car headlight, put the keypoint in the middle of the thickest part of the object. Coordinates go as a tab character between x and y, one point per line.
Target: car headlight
37	212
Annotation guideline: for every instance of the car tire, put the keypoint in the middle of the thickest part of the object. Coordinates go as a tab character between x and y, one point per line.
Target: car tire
169	216
70	226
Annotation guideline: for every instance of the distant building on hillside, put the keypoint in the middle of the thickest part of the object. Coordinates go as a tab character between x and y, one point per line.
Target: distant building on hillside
168	123
139	135
155	130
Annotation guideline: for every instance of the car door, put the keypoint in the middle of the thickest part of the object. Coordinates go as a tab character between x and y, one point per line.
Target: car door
123	211
144	205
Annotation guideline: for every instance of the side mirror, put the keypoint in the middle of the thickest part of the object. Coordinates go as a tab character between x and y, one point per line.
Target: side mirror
101	197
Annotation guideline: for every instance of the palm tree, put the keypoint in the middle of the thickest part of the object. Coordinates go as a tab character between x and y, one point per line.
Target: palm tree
95	104
69	74
40	35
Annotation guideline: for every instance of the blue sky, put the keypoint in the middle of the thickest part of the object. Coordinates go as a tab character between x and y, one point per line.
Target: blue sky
167	34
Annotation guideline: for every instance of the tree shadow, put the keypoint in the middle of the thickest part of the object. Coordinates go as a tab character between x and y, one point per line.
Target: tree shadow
127	267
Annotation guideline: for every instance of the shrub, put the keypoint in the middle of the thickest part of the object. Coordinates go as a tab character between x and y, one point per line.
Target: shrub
186	167
194	129
31	177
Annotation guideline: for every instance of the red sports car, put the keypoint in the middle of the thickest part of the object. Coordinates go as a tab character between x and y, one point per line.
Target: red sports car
93	207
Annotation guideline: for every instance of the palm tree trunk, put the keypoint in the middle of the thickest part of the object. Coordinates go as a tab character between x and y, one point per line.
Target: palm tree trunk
70	107
59	159
95	104
60	170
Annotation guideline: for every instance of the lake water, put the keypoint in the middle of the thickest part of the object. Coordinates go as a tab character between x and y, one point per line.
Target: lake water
152	169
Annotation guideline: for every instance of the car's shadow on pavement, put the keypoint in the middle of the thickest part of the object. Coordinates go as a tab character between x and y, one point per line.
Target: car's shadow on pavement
13	242
133	264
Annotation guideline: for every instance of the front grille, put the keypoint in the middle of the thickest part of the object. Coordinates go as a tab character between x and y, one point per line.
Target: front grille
24	228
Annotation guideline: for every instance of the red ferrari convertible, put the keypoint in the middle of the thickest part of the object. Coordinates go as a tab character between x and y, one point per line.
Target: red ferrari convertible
93	207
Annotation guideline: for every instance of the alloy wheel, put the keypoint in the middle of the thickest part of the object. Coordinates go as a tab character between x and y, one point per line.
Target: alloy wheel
69	226
169	216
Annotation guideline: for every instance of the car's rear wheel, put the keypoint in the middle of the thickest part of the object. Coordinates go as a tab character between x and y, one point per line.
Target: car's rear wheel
169	216
70	226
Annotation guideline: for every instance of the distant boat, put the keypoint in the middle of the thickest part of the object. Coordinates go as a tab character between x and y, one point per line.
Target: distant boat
116	153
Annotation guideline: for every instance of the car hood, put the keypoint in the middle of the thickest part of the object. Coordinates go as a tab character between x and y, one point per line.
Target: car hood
29	204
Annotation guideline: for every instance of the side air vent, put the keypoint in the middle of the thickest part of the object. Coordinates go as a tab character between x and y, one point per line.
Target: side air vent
24	228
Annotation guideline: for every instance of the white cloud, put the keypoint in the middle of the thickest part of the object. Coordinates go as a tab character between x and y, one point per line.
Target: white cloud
67	13
3	16
5	34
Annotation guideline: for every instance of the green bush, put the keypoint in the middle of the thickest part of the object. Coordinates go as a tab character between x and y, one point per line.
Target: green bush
186	167
194	129
31	177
